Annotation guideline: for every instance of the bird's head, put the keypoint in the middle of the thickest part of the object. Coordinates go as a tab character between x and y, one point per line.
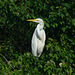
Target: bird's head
38	20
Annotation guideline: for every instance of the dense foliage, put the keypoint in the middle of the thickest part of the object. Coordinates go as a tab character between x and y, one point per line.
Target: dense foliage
58	57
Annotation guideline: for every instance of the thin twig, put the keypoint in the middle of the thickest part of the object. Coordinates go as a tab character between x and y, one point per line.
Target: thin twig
7	61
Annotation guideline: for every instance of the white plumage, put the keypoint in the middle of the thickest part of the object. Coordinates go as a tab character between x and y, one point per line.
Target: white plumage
38	38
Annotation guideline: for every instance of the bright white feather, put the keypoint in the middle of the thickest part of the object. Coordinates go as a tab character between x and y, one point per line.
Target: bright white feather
38	38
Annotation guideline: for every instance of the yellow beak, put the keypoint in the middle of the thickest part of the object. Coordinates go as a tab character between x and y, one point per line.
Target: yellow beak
32	20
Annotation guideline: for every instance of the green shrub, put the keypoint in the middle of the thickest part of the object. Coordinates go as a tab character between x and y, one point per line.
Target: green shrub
16	33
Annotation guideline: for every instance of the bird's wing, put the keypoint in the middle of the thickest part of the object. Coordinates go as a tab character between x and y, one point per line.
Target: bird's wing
41	43
43	35
34	44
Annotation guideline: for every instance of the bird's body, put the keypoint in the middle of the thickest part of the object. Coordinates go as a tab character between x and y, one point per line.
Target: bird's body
38	42
38	38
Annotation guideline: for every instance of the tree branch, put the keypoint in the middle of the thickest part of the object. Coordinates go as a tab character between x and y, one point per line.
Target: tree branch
7	61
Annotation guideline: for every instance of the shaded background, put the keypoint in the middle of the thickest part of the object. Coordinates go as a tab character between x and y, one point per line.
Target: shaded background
16	33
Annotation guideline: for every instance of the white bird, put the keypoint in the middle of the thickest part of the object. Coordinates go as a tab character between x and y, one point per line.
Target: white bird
38	38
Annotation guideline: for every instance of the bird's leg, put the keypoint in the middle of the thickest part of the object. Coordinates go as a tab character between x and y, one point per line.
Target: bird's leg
37	57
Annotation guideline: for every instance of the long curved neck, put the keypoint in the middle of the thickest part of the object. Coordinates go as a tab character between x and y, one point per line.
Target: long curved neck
39	28
41	25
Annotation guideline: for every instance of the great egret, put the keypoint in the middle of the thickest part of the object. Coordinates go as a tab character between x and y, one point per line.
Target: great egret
38	38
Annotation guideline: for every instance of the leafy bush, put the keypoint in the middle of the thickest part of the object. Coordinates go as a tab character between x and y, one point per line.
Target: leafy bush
16	33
